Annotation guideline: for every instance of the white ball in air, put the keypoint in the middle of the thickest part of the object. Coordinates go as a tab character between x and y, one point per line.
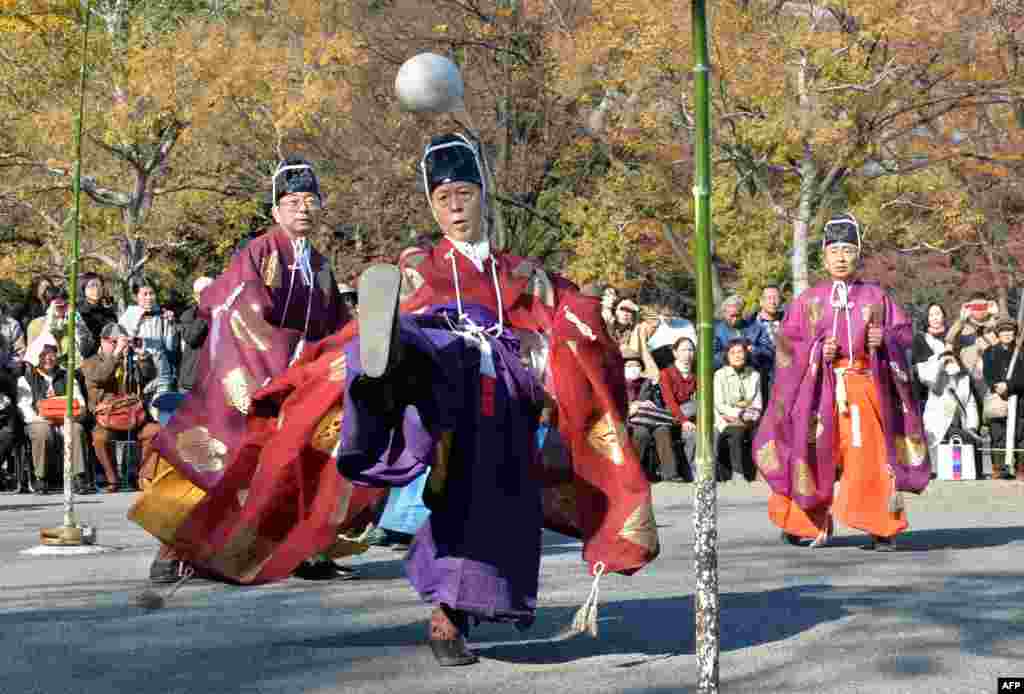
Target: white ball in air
429	82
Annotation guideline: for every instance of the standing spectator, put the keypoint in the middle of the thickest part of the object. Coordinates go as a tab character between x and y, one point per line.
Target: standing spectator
52	328
35	303
927	347
769	318
737	409
609	298
154	332
626	314
91	306
996	366
194	329
112	372
12	341
49	380
733	327
349	297
978	315
951	408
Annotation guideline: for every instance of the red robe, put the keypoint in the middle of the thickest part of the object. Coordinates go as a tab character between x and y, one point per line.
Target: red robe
282	500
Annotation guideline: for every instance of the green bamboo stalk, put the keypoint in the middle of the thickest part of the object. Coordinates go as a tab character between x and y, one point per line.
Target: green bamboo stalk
705	505
69	507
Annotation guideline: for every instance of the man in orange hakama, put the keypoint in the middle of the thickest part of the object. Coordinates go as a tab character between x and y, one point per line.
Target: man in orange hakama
842	408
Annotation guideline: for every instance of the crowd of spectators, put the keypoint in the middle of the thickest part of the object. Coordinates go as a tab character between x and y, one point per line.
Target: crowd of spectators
125	361
962	380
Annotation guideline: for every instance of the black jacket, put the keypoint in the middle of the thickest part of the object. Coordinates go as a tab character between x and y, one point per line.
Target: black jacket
193	335
96	316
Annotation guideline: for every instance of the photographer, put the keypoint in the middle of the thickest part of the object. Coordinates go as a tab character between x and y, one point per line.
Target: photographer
155	332
115	378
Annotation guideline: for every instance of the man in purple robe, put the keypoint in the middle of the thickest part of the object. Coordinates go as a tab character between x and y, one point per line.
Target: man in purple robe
842	407
277	293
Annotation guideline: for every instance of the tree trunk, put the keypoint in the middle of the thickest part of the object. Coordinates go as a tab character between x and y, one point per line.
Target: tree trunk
802	223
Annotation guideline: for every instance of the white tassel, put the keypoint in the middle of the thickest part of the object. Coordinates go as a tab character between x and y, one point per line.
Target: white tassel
585	621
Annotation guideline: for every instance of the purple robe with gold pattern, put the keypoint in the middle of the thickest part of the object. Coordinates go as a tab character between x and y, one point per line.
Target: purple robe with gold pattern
796	440
258	310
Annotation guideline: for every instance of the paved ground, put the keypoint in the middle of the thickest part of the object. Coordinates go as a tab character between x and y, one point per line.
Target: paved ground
944	615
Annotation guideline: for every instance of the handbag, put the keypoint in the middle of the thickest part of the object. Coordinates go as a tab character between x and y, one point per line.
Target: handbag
54	409
955	460
650	415
995	407
121	413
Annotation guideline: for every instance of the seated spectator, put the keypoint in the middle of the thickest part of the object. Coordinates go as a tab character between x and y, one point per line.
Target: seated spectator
154	332
193	334
110	375
737	409
52	328
12	341
91	306
35	303
49	380
732	327
650	422
678	385
996	368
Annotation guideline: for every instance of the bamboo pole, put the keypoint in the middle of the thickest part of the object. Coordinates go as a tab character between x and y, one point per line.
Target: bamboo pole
705	519
69	502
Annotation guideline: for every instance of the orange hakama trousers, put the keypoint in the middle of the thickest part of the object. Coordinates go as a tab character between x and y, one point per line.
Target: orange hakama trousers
865	485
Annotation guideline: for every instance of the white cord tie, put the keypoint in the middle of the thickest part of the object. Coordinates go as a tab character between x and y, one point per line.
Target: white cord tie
840	301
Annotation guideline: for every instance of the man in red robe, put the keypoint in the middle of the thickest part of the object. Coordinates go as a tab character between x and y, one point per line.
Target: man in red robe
456	397
277	294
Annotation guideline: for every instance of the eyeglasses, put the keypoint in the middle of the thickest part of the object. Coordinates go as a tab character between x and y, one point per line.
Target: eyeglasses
296	204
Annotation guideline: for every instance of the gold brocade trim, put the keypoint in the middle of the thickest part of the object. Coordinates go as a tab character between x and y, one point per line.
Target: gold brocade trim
250	330
573	347
197	448
815	429
167	502
244	554
338	370
325	438
910	450
783	352
270	270
584	329
803	482
641	528
814	312
606	437
767	458
237	389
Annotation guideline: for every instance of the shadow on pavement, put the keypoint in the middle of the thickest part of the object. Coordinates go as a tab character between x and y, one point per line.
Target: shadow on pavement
961	538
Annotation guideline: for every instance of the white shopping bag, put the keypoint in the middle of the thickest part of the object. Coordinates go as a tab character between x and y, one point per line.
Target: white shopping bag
955	460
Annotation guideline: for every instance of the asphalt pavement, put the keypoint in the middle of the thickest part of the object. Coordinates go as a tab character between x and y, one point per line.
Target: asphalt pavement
943	614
